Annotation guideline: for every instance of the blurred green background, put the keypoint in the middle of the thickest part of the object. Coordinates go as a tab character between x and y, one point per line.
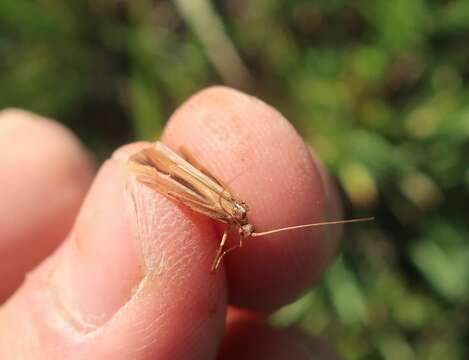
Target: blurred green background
379	88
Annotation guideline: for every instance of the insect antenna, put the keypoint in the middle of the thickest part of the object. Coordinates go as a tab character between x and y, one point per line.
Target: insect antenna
305	226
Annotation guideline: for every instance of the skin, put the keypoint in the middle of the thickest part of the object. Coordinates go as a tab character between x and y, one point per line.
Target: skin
129	277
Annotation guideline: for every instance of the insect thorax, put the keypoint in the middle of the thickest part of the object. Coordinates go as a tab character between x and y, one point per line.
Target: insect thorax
240	215
240	211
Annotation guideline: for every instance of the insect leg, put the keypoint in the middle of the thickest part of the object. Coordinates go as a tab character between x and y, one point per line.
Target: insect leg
220	252
221	255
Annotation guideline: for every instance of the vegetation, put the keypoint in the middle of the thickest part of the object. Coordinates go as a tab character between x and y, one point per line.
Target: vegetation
379	88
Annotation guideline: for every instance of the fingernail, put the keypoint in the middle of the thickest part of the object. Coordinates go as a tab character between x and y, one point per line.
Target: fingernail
101	263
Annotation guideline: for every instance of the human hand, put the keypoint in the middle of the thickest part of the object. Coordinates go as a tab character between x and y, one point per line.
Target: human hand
132	282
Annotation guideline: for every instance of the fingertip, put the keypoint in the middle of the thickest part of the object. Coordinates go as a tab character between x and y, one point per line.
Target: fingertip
333	206
21	129
43	163
251	147
134	271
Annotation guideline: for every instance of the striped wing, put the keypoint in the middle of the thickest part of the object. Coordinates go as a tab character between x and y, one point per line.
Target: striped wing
164	171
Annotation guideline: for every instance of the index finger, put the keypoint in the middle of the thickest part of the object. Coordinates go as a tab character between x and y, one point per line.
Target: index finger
254	149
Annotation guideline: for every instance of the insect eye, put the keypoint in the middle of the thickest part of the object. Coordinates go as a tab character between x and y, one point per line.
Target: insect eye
247	230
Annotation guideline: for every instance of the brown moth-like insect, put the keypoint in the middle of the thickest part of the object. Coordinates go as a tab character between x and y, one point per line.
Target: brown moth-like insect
164	171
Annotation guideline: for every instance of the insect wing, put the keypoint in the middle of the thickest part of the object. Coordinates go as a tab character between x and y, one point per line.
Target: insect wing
166	172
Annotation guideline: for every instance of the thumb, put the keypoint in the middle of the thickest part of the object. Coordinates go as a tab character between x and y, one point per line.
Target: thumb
131	280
